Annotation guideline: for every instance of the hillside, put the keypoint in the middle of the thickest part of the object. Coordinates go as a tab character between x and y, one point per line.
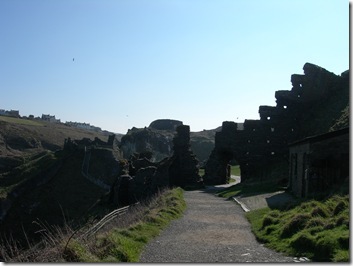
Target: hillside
41	182
22	138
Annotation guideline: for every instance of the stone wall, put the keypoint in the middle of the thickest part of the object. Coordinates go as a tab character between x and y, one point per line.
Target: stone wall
145	177
183	170
261	146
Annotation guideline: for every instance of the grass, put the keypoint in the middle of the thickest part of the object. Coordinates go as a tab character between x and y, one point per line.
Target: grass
20	121
249	189
318	230
235	170
29	169
122	240
125	245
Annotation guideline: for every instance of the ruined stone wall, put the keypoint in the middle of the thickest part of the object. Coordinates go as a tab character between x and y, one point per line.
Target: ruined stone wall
183	170
261	146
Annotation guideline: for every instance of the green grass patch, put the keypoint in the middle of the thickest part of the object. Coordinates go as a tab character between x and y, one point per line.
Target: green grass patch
29	169
126	244
318	230
20	121
249	189
235	170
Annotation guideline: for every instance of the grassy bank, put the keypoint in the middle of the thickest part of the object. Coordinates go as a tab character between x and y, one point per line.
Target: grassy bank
122	240
126	244
318	230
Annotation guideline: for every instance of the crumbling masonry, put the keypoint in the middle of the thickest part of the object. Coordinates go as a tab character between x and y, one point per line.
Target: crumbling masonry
261	146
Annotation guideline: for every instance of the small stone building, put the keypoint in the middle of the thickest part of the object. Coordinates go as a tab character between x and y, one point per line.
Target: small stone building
319	162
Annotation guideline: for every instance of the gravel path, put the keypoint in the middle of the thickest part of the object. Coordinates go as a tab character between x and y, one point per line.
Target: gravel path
211	230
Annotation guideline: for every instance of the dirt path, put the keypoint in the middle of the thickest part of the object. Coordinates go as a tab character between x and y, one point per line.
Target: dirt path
211	230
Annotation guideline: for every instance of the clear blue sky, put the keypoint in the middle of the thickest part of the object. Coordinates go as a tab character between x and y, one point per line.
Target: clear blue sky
199	61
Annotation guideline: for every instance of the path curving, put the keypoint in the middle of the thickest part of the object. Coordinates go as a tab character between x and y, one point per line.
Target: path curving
212	229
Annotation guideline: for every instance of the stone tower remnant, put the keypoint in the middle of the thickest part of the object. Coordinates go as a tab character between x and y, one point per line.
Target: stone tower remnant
183	170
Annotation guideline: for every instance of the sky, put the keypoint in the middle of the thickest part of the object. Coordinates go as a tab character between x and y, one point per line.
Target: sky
118	64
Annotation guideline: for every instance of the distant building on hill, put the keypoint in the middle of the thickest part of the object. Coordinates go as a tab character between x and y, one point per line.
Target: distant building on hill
50	118
85	126
12	113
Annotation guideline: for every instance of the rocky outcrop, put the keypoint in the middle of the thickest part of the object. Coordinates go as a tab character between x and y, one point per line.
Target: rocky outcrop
158	140
311	107
165	124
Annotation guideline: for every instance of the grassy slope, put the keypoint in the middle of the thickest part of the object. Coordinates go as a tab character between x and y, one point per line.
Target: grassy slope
318	230
115	242
29	133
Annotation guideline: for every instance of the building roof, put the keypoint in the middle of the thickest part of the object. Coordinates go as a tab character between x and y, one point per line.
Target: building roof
321	137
